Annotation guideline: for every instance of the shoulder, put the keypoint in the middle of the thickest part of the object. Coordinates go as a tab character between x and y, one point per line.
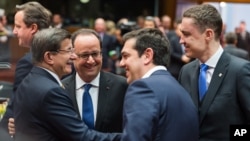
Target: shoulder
111	76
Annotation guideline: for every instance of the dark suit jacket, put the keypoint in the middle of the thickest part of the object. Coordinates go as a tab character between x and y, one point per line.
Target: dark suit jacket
110	100
108	44
176	54
43	111
227	100
233	50
158	108
244	43
23	67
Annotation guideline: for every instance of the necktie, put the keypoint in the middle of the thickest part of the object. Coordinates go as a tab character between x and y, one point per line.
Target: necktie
202	81
87	110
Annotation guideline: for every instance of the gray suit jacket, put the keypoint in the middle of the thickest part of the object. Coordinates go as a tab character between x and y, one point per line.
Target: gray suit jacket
233	50
227	100
110	100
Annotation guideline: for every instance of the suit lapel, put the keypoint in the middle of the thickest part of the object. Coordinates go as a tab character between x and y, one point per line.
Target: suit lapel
216	81
194	83
102	99
70	85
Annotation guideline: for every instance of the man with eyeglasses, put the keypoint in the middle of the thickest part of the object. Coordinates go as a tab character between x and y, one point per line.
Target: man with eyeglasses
107	90
46	113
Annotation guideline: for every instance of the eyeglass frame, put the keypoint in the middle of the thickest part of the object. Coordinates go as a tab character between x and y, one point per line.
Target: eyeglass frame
94	55
71	50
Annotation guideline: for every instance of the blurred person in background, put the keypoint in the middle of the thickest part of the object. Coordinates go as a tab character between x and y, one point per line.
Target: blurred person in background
177	51
108	46
243	37
5	35
230	46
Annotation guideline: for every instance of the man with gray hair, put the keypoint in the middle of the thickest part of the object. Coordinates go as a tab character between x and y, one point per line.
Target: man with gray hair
45	113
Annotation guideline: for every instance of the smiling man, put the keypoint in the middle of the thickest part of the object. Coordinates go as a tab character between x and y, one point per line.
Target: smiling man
156	107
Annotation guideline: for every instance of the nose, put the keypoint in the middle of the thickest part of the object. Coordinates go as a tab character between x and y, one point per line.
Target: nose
181	40
73	56
121	64
90	59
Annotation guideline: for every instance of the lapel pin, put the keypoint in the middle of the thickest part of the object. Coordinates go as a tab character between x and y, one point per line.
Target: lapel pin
220	74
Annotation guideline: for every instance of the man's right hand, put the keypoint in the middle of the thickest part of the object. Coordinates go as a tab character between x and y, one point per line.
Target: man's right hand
11	127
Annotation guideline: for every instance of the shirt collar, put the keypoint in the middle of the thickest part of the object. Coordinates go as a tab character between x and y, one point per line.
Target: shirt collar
80	82
54	75
212	61
156	68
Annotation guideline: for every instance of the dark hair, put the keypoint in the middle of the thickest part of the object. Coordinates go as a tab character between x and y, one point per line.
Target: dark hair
230	38
151	38
85	31
34	12
205	16
47	40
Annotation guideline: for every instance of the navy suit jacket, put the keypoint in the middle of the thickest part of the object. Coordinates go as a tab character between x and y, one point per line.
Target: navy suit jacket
110	100
157	108
227	100
43	111
23	67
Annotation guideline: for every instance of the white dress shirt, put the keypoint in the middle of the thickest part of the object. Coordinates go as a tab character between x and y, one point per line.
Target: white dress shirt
94	91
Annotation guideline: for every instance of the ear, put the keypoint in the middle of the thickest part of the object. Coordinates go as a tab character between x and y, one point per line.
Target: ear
149	54
209	33
34	28
48	57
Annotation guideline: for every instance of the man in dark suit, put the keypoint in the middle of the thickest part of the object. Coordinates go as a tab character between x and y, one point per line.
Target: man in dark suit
108	89
29	18
156	106
177	57
45	112
243	37
108	45
231	40
223	98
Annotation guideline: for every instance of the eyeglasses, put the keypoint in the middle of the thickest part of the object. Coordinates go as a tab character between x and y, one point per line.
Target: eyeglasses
85	56
70	50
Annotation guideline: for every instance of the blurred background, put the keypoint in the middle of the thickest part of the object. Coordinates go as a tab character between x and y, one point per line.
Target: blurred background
76	14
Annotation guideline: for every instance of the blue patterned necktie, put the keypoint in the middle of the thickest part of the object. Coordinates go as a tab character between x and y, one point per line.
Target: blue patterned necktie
87	109
202	81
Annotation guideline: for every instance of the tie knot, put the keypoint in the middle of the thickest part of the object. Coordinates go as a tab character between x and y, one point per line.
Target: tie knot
204	67
87	87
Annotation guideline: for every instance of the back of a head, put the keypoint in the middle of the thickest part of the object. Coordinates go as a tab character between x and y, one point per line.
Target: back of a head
35	13
47	40
205	16
231	38
151	38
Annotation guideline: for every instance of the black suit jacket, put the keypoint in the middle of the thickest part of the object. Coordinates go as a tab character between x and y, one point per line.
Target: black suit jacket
244	43
110	100
176	62
23	67
43	111
233	50
108	44
227	100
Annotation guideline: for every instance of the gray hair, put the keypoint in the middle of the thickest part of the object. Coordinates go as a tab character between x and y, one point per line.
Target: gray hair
47	40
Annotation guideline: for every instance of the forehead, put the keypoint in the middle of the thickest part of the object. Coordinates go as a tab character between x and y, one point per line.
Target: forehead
87	41
187	24
19	17
129	45
66	43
